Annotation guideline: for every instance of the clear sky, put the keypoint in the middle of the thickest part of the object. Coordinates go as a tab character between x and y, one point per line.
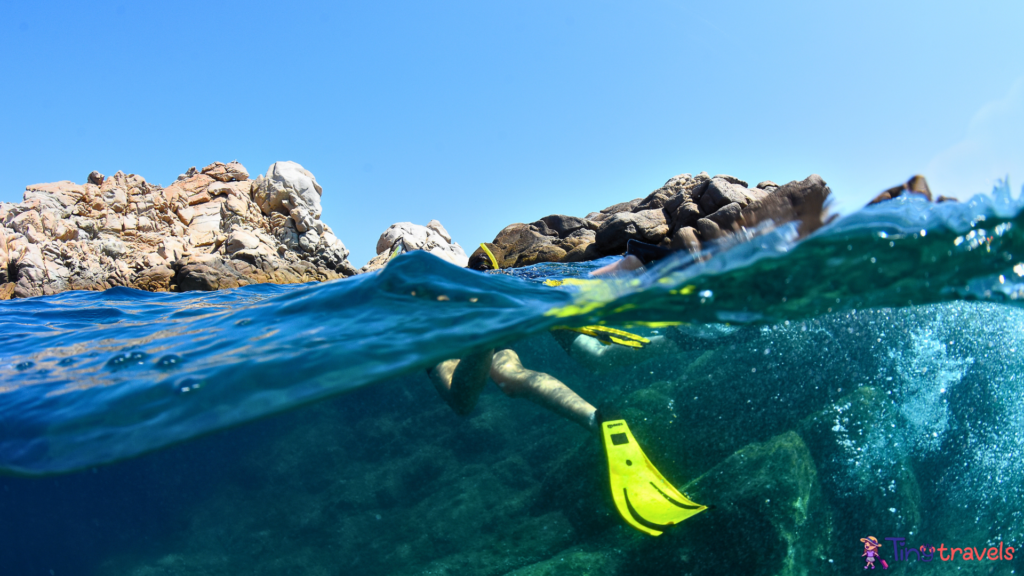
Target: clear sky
481	114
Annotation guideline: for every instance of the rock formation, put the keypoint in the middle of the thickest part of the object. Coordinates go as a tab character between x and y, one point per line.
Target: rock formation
916	185
432	238
685	213
210	229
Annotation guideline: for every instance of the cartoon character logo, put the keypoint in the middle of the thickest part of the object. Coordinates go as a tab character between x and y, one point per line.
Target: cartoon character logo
871	547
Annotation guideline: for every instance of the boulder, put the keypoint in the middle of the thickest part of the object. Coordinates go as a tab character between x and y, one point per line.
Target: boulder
241	240
437	227
727	216
230	172
562	225
731	180
96	178
622	207
721	192
708	230
777	511
685	239
801	201
287	186
648	226
415	237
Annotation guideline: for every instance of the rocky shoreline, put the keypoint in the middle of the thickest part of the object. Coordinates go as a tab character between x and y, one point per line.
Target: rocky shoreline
216	228
212	228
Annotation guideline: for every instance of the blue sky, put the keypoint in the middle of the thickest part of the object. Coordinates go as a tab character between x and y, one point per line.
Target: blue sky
481	114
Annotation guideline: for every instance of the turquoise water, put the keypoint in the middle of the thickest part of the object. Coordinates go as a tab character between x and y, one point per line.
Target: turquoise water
867	379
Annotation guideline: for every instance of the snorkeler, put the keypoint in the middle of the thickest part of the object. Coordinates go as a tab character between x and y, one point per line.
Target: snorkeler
644	498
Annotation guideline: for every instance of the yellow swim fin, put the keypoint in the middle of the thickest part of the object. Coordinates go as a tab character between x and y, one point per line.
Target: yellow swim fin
644	498
607	335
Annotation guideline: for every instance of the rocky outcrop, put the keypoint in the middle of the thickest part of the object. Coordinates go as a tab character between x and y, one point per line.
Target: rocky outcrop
684	214
210	229
916	185
431	238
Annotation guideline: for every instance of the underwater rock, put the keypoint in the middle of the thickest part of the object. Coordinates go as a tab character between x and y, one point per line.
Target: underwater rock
766	496
119	231
867	484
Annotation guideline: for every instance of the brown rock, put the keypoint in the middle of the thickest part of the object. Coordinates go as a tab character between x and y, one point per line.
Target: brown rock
917	184
583	253
232	171
727	216
185	214
721	192
647	226
685	239
7	291
562	225
731	179
96	178
25	221
767	184
539	253
200	198
157	279
622	206
708	230
802	201
685	214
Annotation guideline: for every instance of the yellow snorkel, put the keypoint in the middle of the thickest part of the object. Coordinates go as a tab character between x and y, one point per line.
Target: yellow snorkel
494	261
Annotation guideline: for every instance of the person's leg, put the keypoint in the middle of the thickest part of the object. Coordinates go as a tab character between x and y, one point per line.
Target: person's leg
459	382
518	382
626	264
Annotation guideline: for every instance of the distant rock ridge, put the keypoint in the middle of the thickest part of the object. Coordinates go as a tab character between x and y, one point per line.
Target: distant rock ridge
212	228
216	228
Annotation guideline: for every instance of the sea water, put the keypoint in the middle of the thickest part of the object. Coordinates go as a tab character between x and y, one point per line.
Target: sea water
864	381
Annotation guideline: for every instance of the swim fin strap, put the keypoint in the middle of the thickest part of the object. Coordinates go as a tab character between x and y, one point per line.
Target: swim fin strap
642	495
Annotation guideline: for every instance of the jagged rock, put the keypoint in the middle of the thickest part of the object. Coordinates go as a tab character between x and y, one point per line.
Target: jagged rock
917	185
96	178
432	238
731	180
721	192
241	240
288	186
203	232
802	201
437	227
232	171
